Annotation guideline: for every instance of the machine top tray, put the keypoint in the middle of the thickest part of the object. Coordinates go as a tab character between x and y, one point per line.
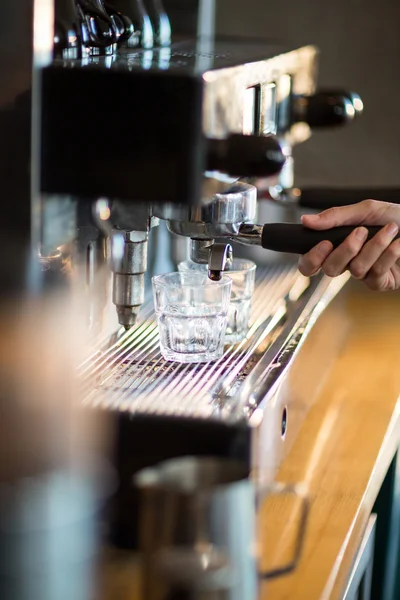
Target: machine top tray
190	57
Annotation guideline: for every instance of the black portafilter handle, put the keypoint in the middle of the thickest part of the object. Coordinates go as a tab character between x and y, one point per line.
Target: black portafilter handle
322	198
327	108
245	155
297	239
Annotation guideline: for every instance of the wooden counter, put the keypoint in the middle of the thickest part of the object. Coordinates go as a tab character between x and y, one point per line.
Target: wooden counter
343	450
342	453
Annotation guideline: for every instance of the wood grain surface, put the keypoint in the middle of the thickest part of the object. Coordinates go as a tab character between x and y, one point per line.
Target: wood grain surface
342	452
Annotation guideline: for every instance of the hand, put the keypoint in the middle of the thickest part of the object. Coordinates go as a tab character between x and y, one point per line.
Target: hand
376	262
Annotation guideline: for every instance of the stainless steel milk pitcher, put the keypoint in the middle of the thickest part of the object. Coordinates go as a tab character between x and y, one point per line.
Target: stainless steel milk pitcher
198	530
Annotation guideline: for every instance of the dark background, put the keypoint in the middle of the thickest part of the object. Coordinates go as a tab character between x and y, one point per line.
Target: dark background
359	42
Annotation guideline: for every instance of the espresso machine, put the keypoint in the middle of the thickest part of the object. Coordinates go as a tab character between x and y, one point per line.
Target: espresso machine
225	115
144	141
146	136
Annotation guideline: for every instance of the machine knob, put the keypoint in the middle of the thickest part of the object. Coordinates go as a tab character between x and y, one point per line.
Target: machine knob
245	155
66	42
161	23
327	108
97	29
123	26
136	11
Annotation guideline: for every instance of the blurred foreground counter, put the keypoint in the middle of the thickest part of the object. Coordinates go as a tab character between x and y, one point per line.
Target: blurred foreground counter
346	453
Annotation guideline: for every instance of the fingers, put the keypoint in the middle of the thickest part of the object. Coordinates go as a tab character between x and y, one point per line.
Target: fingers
338	260
311	263
368	212
381	277
388	281
377	261
371	256
374	261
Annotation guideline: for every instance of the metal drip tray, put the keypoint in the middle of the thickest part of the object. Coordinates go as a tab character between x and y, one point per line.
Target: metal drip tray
131	375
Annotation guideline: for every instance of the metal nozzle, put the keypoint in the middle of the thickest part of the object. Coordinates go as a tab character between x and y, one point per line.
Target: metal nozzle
217	256
127	315
129	270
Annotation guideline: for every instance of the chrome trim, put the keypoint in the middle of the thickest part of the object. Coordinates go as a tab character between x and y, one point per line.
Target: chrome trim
261	384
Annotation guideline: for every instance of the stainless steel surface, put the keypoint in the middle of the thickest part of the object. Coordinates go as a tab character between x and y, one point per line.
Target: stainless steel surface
280	188
58	224
91	267
249	235
228	70
218	256
131	375
134	258
131	216
221	256
202	230
215	183
128	252
224	98
129	270
200	251
219	217
199	527
128	290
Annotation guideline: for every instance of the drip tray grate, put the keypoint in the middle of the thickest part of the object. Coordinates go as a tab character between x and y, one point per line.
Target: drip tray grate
132	376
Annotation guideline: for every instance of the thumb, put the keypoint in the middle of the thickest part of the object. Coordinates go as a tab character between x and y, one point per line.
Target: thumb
368	212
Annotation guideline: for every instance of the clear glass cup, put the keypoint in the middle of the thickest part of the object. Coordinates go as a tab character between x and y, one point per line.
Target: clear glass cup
243	275
192	314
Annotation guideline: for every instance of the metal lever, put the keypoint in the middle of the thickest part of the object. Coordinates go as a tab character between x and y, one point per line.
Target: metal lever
327	108
245	155
294	239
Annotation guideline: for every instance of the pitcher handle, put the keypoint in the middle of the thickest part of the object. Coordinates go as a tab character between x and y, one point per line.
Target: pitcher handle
281	489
